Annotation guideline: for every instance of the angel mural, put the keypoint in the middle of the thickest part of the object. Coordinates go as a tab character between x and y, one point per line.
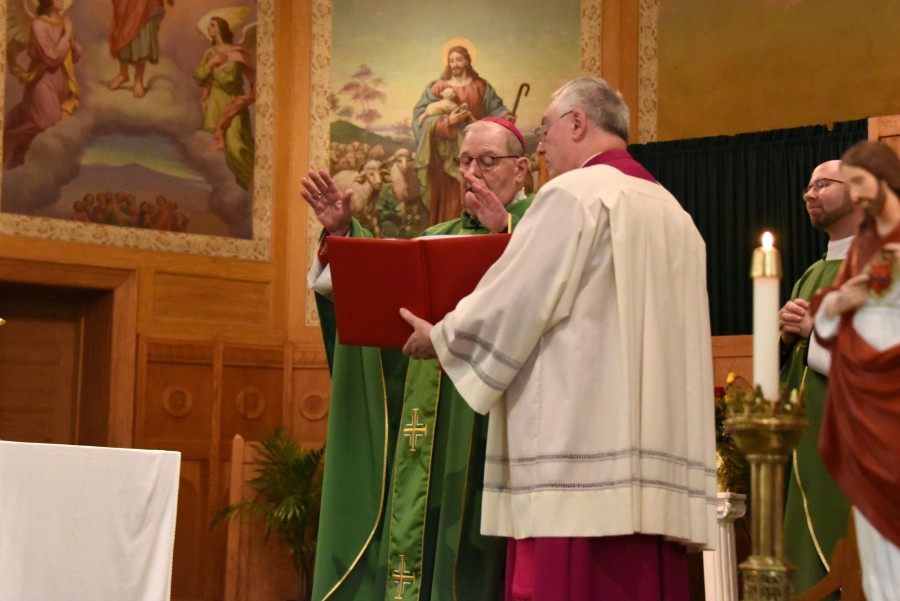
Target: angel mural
222	71
134	39
42	30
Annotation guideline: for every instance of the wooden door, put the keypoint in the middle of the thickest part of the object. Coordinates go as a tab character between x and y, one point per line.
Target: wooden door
40	359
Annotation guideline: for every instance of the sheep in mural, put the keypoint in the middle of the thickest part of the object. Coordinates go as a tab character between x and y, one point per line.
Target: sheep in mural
447	104
405	181
366	185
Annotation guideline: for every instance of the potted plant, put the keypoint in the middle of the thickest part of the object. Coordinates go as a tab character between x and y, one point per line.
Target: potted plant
288	492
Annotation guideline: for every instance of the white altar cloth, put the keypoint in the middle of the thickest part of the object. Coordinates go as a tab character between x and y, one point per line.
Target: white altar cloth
84	523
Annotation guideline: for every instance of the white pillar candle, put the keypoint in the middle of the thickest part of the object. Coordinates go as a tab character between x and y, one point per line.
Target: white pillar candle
766	273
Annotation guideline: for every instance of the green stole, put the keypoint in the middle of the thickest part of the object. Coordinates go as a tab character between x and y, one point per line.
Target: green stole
379	499
366	397
418	458
816	510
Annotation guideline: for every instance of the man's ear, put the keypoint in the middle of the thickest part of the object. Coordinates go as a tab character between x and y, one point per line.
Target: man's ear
579	125
522	164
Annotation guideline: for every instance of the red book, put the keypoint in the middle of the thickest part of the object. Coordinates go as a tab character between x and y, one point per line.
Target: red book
372	279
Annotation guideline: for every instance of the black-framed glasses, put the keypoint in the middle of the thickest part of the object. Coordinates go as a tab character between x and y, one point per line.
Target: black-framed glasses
819	185
541	132
486	162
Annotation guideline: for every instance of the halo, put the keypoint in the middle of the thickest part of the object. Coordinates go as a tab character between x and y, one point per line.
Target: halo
465	43
31	6
235	16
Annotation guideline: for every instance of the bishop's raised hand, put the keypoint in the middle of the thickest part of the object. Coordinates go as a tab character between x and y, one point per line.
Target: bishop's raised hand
330	204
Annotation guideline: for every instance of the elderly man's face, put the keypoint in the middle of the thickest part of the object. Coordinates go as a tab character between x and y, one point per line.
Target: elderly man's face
505	178
554	143
458	64
826	197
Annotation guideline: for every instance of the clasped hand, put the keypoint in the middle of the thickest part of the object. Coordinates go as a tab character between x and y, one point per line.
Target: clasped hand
795	320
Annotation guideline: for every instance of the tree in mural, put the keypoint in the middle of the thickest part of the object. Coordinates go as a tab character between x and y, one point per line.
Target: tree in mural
403	129
363	89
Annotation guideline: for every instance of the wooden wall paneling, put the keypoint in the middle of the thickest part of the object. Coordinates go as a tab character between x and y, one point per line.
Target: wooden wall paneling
79	379
175	409
732	354
311	391
122	361
175	405
215	435
297	16
886	129
233	544
186	297
190	566
287	388
619	52
256	569
252	391
95	386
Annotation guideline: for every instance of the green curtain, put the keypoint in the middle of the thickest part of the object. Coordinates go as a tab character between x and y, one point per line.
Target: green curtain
736	188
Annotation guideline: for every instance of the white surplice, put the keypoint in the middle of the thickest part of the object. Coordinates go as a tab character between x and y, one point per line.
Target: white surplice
589	344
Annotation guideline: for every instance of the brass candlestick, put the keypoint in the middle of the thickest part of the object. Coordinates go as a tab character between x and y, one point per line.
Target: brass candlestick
767	432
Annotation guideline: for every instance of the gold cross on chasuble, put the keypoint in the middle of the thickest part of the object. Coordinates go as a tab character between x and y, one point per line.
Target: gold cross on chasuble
413	431
401	577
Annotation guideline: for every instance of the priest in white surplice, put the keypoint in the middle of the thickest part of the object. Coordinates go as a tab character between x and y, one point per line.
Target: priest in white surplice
589	344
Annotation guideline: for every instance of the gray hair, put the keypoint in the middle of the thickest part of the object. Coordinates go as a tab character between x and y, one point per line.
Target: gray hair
602	104
513	146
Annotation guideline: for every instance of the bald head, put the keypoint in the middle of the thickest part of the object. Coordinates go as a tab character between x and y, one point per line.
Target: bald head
828	203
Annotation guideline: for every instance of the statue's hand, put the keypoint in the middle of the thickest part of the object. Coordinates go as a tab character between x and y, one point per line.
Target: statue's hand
330	204
850	296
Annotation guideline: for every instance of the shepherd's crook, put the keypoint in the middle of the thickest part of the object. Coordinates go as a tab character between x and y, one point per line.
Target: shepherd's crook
527	89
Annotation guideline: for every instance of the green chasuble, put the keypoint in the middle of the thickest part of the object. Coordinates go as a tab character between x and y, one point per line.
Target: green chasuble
816	510
404	471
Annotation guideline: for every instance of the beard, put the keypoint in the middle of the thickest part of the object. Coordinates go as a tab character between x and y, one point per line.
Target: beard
824	220
873	206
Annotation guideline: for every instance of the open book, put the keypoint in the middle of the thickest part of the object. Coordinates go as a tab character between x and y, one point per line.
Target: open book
373	279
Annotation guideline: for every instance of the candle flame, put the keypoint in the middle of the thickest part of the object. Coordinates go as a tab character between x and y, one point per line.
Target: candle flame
767	241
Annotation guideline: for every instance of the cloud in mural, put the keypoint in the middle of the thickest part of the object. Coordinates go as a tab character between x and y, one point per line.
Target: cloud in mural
170	109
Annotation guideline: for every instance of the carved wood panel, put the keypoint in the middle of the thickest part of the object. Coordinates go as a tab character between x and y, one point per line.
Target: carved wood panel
252	391
311	394
176	408
194	397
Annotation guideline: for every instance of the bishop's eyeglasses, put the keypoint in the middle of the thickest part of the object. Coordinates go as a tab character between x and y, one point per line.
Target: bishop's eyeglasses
486	162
